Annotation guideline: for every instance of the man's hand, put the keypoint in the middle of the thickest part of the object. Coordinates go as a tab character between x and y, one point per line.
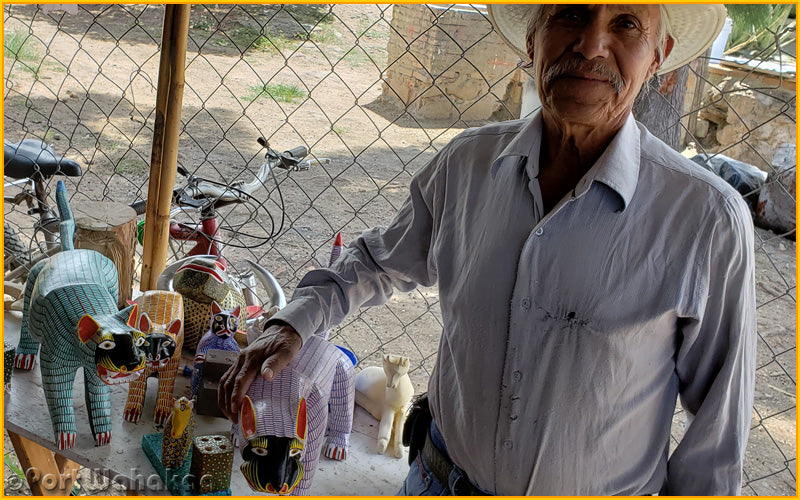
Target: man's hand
267	355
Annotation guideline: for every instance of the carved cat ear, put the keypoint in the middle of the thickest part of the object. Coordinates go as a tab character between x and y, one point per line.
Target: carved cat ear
302	420
174	327
87	328
247	418
132	318
236	311
144	323
215	308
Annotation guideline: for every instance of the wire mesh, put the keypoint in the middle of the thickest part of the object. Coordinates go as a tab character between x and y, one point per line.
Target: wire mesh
378	89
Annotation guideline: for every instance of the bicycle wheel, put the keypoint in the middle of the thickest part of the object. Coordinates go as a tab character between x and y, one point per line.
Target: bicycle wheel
15	252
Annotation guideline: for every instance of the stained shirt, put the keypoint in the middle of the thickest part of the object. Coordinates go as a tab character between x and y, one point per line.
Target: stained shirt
569	335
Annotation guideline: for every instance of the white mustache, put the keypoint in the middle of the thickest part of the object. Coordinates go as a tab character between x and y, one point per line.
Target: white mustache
577	65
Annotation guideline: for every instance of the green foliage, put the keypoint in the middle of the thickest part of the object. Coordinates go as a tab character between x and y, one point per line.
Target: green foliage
280	92
131	166
756	26
20	46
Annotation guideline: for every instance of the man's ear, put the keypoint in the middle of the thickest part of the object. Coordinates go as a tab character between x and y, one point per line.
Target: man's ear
529	47
668	44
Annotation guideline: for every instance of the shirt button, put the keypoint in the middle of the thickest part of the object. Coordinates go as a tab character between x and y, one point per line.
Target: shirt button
508	444
517	375
513	417
539	231
525	303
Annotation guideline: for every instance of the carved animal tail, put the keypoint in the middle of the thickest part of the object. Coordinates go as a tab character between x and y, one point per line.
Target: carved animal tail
67	227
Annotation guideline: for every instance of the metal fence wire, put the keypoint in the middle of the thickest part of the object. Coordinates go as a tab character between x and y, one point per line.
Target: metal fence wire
379	89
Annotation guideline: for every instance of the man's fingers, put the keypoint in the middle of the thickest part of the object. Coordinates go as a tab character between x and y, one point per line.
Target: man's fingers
226	386
275	363
240	386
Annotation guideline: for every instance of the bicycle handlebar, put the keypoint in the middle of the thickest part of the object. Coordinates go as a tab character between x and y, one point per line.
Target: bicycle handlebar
200	193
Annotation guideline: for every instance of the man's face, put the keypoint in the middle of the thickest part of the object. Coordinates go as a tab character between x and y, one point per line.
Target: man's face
591	60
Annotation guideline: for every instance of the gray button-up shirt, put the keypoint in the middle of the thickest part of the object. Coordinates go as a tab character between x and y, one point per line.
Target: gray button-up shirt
569	335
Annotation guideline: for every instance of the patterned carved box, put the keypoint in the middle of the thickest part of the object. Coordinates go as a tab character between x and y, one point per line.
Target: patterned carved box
212	460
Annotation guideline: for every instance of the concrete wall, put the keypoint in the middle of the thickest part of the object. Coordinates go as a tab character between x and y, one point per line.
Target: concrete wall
446	62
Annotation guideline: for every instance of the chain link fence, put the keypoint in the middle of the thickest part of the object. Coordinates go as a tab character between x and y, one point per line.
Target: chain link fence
378	89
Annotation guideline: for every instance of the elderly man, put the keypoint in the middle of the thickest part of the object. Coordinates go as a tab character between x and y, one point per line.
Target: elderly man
588	276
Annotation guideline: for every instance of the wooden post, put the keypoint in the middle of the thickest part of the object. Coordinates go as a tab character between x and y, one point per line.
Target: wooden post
163	160
109	228
48	474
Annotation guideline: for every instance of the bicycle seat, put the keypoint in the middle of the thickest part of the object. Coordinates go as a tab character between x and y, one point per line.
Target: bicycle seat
26	158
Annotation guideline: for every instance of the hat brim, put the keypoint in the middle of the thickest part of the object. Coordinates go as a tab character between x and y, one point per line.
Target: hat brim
694	27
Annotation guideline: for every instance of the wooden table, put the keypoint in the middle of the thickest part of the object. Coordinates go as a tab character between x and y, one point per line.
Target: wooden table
53	471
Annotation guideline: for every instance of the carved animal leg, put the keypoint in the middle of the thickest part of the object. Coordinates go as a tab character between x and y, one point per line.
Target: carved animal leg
340	420
135	401
317	417
98	402
385	429
57	381
166	386
28	347
197	375
395	443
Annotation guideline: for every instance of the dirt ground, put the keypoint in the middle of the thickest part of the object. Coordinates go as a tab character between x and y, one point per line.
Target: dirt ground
102	118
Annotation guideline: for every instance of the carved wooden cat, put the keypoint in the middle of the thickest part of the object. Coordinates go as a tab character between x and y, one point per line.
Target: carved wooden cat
70	309
161	318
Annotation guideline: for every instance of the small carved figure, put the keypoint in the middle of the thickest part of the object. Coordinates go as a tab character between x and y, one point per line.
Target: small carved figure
282	423
70	308
161	318
220	336
201	281
385	393
178	432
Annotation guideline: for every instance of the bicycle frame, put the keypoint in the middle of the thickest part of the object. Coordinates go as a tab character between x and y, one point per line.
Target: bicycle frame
203	235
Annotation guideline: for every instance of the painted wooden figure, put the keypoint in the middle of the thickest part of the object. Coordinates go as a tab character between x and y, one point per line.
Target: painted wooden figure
161	319
178	433
289	417
201	281
219	336
70	309
385	393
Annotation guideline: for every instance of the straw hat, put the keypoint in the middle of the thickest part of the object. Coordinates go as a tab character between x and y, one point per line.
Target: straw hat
694	28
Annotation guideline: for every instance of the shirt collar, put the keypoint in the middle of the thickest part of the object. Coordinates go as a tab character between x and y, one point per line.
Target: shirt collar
525	145
617	167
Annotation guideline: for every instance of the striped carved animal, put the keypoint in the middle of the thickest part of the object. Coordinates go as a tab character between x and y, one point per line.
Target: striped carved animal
283	423
178	433
161	319
70	309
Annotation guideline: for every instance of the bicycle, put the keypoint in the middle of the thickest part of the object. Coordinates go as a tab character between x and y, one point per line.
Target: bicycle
260	288
30	163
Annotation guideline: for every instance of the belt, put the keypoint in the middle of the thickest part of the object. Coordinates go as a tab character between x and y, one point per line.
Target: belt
442	468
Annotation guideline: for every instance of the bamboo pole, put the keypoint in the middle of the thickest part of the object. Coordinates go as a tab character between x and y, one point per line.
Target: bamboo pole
163	160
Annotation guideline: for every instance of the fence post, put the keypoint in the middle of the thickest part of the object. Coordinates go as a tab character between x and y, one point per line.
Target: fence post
163	160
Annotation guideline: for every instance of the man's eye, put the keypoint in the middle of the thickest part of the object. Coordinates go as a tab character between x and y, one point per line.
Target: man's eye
570	16
627	23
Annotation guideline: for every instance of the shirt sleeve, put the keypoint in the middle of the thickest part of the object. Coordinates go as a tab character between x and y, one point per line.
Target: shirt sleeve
374	264
715	364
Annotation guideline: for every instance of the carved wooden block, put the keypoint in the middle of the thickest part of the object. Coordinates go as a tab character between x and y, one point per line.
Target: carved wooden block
212	461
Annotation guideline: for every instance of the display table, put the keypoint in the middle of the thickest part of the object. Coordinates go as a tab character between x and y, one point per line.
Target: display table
27	421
